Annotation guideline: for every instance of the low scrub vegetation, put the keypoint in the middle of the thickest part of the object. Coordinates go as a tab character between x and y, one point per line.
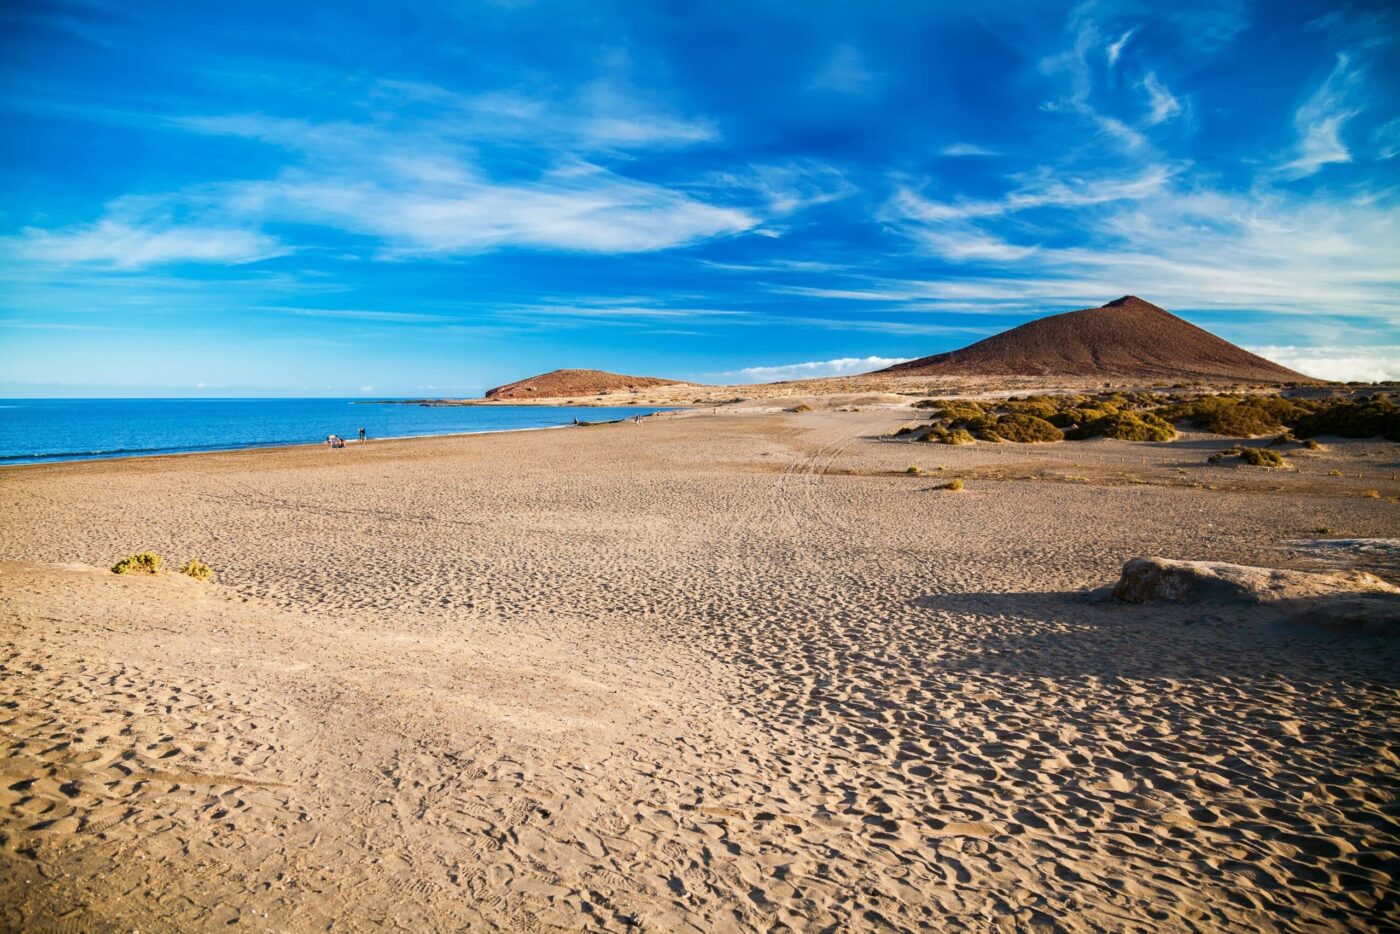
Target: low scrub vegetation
1023	428
1155	417
1373	418
148	562
1255	457
1125	426
143	562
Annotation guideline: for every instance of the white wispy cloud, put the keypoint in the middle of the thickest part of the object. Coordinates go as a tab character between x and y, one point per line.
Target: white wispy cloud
1320	120
958	245
966	150
842	366
417	193
1115	48
362	314
1193	248
412	175
1162	104
1048	189
781	187
1076	64
844	72
123	245
1387	140
453	210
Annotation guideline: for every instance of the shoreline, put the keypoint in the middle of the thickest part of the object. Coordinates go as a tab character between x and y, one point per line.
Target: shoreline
45	460
294	446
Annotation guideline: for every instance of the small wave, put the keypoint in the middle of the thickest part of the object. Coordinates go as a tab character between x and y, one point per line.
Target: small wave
144	452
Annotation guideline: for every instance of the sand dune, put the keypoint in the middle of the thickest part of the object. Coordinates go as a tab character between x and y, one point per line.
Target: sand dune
713	672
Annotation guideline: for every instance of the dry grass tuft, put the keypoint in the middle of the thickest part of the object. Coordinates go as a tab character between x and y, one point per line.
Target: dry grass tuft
197	569
143	562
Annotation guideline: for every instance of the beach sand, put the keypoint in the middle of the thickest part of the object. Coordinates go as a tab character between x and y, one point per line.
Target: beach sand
729	671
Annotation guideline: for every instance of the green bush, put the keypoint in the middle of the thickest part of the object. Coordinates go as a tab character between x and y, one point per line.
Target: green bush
1245	420
942	435
1125	426
1081	415
1026	429
143	562
1236	416
1257	457
957	436
1038	406
951	408
197	569
958	411
1261	457
1369	419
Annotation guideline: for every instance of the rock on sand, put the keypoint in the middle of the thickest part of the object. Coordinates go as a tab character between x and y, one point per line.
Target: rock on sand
1345	599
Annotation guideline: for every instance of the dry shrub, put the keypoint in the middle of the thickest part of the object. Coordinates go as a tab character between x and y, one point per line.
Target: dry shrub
1125	426
1038	406
1261	457
197	569
1369	419
1256	457
1237	416
143	562
941	435
957	436
958	409
1026	429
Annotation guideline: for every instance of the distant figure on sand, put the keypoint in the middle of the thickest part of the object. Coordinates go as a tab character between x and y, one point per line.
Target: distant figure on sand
335	441
362	434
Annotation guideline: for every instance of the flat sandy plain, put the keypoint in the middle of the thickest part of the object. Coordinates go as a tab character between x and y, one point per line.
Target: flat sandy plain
727	671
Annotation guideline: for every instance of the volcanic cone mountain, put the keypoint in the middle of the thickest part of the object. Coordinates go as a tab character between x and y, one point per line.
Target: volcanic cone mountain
1125	338
558	384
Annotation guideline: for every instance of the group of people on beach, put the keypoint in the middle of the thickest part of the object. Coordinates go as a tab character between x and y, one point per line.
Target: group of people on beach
336	441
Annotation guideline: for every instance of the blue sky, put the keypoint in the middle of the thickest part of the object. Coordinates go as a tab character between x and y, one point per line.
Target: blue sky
412	198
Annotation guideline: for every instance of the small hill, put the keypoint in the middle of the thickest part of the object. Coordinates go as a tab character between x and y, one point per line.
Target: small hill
559	384
1125	338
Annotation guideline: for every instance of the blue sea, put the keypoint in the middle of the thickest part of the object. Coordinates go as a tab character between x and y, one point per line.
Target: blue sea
38	430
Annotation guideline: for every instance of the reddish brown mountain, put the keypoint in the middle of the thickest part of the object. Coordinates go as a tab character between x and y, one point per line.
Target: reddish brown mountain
559	384
1125	338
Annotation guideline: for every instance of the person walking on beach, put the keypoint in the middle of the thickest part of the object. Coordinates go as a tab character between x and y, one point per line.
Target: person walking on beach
362	434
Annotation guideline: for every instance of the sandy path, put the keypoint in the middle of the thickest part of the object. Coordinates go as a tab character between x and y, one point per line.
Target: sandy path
710	673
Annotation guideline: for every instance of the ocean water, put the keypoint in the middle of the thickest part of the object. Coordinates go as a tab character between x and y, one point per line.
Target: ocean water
39	430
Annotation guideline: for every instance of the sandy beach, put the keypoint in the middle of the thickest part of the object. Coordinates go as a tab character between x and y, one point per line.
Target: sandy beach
719	671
